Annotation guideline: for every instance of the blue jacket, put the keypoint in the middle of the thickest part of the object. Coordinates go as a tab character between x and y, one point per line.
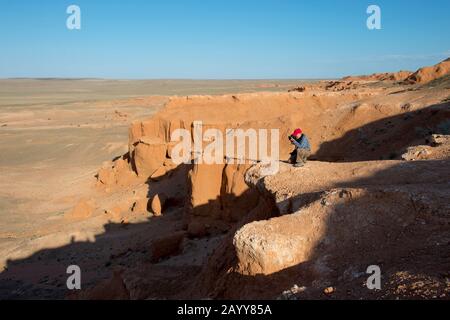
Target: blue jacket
302	143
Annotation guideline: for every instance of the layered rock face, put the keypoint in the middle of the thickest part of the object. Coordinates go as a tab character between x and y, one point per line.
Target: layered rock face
340	126
427	74
217	193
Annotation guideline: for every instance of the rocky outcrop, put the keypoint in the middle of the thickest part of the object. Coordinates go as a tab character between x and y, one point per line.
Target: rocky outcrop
157	204
428	74
340	85
421	76
386	76
330	231
363	223
118	173
167	246
110	289
148	156
218	193
438	149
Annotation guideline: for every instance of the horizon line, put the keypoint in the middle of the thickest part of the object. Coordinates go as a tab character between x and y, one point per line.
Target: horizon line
166	79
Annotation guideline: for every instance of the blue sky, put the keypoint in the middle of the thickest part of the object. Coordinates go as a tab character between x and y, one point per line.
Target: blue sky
219	39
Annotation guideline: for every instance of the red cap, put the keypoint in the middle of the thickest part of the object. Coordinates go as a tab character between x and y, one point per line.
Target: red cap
297	132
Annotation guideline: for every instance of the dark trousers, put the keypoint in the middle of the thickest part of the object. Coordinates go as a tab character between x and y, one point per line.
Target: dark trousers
299	155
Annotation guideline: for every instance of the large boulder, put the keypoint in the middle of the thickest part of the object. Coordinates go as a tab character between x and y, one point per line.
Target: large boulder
117	173
343	226
167	246
110	289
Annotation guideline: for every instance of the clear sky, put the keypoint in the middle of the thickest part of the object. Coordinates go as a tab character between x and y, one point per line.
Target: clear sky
219	39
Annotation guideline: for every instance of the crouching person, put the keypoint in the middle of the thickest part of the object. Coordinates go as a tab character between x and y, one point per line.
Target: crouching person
302	148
